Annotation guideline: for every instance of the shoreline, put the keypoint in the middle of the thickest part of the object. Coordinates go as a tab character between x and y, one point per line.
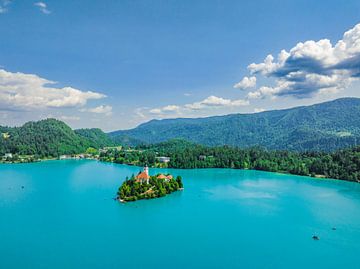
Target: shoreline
124	201
46	160
317	176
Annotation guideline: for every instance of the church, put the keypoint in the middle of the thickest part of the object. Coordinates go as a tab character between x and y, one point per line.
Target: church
143	176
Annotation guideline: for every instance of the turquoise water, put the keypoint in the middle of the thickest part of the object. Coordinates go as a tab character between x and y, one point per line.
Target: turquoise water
65	217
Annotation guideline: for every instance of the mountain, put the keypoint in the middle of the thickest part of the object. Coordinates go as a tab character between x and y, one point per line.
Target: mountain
325	126
96	137
49	137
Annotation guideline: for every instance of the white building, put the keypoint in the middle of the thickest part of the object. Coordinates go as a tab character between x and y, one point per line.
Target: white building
8	155
163	159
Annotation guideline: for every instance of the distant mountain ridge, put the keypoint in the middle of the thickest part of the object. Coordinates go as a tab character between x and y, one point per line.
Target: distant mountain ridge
325	126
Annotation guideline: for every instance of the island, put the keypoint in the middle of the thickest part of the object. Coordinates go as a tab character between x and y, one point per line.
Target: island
144	186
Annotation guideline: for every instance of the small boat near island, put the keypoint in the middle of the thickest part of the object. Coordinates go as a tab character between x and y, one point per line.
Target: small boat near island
315	237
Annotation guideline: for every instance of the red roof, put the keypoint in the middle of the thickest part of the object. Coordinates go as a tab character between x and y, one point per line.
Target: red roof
161	176
142	175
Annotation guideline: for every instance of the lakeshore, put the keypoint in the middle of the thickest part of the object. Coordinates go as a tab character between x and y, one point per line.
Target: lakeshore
29	159
15	159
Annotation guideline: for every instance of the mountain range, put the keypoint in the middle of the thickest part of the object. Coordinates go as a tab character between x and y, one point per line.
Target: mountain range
325	126
321	127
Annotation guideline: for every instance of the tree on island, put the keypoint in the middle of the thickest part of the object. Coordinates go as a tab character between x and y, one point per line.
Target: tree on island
139	187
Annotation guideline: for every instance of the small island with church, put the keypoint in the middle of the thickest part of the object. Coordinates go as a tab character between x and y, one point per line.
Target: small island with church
144	186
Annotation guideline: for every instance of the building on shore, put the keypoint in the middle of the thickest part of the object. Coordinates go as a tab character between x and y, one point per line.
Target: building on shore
8	155
163	159
5	135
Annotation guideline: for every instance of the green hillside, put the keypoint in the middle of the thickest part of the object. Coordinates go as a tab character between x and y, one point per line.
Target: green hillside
96	137
326	126
49	137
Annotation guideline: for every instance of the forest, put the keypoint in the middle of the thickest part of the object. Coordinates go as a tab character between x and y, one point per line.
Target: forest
50	138
341	164
326	126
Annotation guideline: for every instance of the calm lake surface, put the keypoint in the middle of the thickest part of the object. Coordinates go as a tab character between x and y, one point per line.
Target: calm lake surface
65	217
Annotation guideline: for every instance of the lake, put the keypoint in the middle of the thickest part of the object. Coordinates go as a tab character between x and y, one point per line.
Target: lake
65	217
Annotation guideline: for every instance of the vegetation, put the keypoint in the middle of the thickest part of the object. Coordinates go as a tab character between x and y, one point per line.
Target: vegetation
322	127
49	138
96	137
341	164
132	190
52	138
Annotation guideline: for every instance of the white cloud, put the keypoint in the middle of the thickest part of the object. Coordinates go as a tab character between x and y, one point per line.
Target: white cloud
214	101
166	109
246	83
263	92
155	111
102	109
311	67
258	110
19	91
42	7
170	108
208	103
4	6
140	112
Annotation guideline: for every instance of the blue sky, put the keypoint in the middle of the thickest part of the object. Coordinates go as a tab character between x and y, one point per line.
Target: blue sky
120	63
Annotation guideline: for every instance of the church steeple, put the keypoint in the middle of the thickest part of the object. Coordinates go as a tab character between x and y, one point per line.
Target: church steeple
143	176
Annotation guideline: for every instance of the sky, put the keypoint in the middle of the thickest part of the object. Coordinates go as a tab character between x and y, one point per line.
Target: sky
117	64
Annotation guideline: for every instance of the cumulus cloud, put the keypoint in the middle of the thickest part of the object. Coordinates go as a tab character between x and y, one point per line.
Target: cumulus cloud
102	109
208	103
311	67
170	108
214	101
42	7
19	91
246	83
166	109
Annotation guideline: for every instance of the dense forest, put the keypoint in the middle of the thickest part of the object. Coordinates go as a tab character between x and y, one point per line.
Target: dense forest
49	138
321	127
96	137
341	164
